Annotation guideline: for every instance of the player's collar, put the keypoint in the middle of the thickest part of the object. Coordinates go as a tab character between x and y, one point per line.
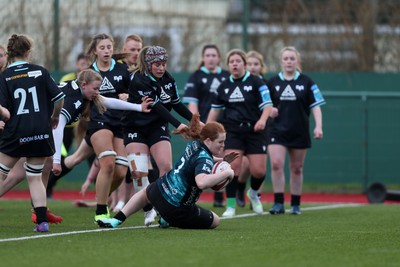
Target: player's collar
244	78
207	71
19	62
96	68
150	76
296	75
205	147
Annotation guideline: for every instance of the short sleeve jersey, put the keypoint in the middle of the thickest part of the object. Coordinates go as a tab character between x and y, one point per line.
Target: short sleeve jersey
73	102
201	87
115	81
28	92
178	186
163	90
294	100
242	100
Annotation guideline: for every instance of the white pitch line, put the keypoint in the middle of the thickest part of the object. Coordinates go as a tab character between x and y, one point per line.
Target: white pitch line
43	235
335	206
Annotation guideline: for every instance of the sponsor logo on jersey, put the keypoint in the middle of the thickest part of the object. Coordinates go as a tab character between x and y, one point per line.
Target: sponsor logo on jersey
118	78
236	96
38	137
77	104
299	87
141	93
277	88
214	85
164	97
192	197
168	86
74	85
204	80
206	168
164	186
132	135
288	94
248	88
188	152
106	86
16	77
35	73
164	137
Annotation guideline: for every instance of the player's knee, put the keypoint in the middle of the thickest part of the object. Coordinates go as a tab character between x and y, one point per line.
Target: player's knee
216	221
138	165
107	160
259	174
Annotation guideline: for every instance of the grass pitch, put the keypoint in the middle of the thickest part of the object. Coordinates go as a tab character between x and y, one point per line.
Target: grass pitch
324	235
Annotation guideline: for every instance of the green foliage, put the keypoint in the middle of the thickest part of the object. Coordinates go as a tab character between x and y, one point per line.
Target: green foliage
366	235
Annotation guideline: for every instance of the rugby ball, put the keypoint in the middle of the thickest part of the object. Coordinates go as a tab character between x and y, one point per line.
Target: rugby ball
220	166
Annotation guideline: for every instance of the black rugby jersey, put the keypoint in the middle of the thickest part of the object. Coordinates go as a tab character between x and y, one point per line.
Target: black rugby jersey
178	186
294	100
242	100
201	87
73	102
115	81
163	91
28	92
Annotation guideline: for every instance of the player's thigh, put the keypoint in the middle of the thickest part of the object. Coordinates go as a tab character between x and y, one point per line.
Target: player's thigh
102	140
162	154
119	147
137	148
7	160
236	165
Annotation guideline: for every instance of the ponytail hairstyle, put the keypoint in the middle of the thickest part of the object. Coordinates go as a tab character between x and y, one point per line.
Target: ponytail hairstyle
87	76
18	46
141	64
197	131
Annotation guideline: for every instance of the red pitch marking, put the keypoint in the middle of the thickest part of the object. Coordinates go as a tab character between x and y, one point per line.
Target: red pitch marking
208	196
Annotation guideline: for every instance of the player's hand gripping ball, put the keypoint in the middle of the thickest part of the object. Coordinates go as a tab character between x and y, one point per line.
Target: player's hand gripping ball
221	166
